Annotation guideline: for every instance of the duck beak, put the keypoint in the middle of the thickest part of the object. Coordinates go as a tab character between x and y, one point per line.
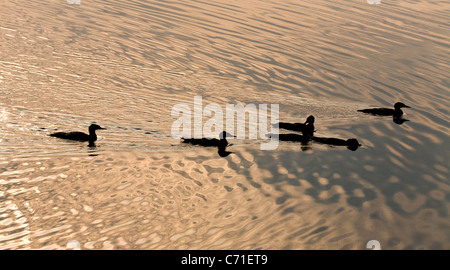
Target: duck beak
407	106
102	128
227	135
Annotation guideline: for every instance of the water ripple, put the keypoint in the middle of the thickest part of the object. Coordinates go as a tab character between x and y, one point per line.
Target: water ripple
125	64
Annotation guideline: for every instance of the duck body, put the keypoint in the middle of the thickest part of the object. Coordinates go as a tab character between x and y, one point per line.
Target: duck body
79	136
396	112
222	142
207	142
74	136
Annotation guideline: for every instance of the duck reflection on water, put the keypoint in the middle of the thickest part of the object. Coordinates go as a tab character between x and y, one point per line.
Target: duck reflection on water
399	120
352	144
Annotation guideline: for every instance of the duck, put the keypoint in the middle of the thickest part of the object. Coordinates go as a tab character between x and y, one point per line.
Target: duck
222	142
306	128
79	136
396	112
352	144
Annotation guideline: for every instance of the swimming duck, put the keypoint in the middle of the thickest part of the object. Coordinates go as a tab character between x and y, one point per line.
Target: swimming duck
352	144
79	136
307	127
222	142
396	112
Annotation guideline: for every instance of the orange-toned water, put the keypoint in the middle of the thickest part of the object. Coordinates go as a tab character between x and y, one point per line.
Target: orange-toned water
125	64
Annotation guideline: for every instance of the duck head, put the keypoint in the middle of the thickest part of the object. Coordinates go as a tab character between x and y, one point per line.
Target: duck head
223	135
223	138
310	119
399	105
353	144
94	127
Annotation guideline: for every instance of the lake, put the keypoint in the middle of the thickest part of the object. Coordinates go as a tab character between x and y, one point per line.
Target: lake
126	64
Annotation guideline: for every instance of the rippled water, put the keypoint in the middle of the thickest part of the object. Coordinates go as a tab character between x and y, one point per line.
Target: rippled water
125	64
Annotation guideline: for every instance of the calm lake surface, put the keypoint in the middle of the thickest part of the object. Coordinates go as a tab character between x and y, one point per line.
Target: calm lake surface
124	64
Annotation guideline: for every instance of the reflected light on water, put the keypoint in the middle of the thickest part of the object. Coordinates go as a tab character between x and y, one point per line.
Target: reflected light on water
126	64
3	115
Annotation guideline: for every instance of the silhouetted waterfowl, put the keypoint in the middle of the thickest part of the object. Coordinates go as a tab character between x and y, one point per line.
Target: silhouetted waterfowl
396	112
351	144
79	136
306	128
222	142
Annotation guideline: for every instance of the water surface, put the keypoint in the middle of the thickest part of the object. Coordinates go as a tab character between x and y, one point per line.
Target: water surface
125	64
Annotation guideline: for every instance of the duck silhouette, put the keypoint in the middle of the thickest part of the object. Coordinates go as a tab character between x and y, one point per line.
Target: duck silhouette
396	112
306	128
352	144
221	143
209	142
79	136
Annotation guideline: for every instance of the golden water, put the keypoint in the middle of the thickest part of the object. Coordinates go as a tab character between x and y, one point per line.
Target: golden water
125	64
